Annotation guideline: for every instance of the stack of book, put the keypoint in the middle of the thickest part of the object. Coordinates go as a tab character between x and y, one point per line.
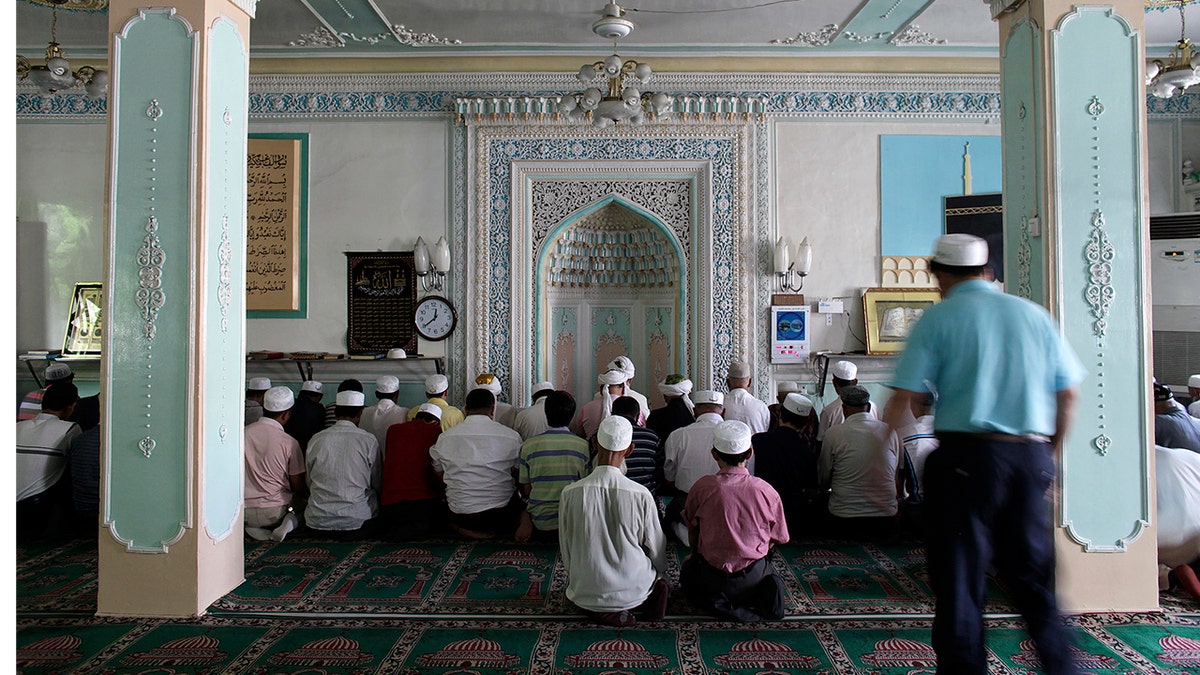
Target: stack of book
41	354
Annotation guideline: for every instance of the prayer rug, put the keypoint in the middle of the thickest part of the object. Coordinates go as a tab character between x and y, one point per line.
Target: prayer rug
1125	643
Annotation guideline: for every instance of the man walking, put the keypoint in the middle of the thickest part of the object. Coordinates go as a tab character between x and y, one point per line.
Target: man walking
986	483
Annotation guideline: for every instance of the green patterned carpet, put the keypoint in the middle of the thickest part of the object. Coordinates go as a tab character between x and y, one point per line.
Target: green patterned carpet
448	606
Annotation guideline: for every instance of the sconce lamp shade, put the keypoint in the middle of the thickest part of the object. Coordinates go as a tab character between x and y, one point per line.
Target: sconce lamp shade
803	257
782	256
441	255
421	257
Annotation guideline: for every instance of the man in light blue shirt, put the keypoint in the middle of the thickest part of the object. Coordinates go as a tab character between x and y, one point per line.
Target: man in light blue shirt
1007	386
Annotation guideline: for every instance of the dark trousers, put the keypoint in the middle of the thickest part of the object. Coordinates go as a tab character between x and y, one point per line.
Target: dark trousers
750	594
986	502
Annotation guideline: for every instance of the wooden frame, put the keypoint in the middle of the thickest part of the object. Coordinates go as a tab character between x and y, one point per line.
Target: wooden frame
277	226
85	325
890	314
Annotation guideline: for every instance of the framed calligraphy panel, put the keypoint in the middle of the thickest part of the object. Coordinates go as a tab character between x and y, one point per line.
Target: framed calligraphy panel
382	294
276	226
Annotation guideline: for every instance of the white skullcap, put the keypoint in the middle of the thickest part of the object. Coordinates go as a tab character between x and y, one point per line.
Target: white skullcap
312	385
436	384
61	371
431	409
844	370
259	384
353	399
732	437
397	353
1194	381
615	433
960	250
488	381
611	377
278	399
680	388
387	384
739	370
784	386
543	386
798	403
708	396
623	364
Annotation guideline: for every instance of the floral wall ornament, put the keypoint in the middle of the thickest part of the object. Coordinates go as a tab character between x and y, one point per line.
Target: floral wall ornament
1024	262
1102	444
817	38
150	260
914	36
1099	254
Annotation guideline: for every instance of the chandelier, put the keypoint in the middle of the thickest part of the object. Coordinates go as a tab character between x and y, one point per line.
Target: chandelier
1180	71
613	87
56	74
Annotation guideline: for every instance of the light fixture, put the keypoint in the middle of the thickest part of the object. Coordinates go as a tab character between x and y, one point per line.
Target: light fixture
56	74
786	269
613	90
1180	71
438	265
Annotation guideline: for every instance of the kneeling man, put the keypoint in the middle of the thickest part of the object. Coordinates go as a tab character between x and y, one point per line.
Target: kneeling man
612	544
733	519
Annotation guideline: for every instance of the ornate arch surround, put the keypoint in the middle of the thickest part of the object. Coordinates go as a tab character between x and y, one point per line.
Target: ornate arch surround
719	164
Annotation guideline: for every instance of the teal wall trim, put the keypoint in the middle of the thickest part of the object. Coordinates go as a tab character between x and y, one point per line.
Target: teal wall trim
147	503
223	323
1023	143
915	173
1095	64
302	311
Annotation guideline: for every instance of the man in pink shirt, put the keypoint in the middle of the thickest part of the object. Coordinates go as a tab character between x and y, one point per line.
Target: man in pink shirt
733	520
592	413
274	470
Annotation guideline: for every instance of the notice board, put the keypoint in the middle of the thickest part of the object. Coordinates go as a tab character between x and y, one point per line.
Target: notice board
276	225
381	297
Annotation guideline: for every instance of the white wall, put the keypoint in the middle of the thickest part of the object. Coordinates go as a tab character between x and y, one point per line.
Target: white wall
373	185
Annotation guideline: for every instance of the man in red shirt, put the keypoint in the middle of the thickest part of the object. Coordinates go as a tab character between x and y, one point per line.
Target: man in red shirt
412	495
733	520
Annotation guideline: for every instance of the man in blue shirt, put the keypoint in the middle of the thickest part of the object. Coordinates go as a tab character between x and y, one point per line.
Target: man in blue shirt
1007	384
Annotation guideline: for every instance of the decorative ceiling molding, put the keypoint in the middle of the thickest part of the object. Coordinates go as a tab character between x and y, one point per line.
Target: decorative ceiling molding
816	38
913	35
324	37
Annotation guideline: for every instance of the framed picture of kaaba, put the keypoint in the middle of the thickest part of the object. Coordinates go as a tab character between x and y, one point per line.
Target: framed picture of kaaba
85	327
983	216
381	289
891	313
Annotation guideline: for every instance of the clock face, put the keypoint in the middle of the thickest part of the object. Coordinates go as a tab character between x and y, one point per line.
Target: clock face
435	318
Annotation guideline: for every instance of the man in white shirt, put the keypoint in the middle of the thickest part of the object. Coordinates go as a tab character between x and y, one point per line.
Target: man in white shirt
1194	392
477	459
687	456
858	463
43	497
345	473
532	420
505	413
379	417
918	442
845	374
740	405
612	545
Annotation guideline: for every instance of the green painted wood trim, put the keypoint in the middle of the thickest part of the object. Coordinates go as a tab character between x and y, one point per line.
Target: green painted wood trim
302	312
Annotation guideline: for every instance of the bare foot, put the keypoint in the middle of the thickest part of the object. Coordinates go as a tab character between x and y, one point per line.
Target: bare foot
524	529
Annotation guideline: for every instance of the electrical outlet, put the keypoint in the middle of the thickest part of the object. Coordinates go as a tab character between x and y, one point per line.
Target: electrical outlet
828	319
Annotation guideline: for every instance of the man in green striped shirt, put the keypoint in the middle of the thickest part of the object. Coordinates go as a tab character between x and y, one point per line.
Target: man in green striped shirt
549	462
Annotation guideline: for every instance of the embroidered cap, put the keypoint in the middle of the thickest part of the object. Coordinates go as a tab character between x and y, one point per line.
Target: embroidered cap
351	399
57	371
856	396
739	370
615	433
844	370
387	384
312	385
708	396
259	384
960	250
397	353
430	409
278	399
544	385
732	437
436	384
1194	382
786	386
798	403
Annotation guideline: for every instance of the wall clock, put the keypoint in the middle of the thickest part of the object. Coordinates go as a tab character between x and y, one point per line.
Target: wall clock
435	318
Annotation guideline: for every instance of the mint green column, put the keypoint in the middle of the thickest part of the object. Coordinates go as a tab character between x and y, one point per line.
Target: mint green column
1074	191
173	375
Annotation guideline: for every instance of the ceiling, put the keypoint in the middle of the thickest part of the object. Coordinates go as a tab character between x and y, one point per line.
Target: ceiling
391	28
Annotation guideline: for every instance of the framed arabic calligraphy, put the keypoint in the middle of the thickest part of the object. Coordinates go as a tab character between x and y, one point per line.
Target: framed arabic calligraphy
84	325
276	226
381	288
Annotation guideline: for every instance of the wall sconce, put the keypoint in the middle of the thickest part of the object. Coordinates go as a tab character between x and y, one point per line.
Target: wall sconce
439	264
786	269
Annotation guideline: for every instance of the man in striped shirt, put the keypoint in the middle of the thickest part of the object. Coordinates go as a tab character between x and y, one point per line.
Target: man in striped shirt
644	464
549	462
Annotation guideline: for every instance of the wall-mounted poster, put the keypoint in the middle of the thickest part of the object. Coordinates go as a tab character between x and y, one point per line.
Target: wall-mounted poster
84	325
276	225
381	290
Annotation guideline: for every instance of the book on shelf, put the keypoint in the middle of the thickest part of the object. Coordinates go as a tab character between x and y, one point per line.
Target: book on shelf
263	354
43	352
307	356
368	356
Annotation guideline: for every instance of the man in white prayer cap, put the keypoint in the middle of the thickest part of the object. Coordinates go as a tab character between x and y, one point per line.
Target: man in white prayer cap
786	457
612	544
733	520
740	404
505	414
532	420
436	388
625	365
275	473
612	386
845	374
345	474
255	389
381	416
677	412
782	389
1194	392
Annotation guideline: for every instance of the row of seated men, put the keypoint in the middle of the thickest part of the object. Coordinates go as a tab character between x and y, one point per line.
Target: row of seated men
348	484
1177	471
